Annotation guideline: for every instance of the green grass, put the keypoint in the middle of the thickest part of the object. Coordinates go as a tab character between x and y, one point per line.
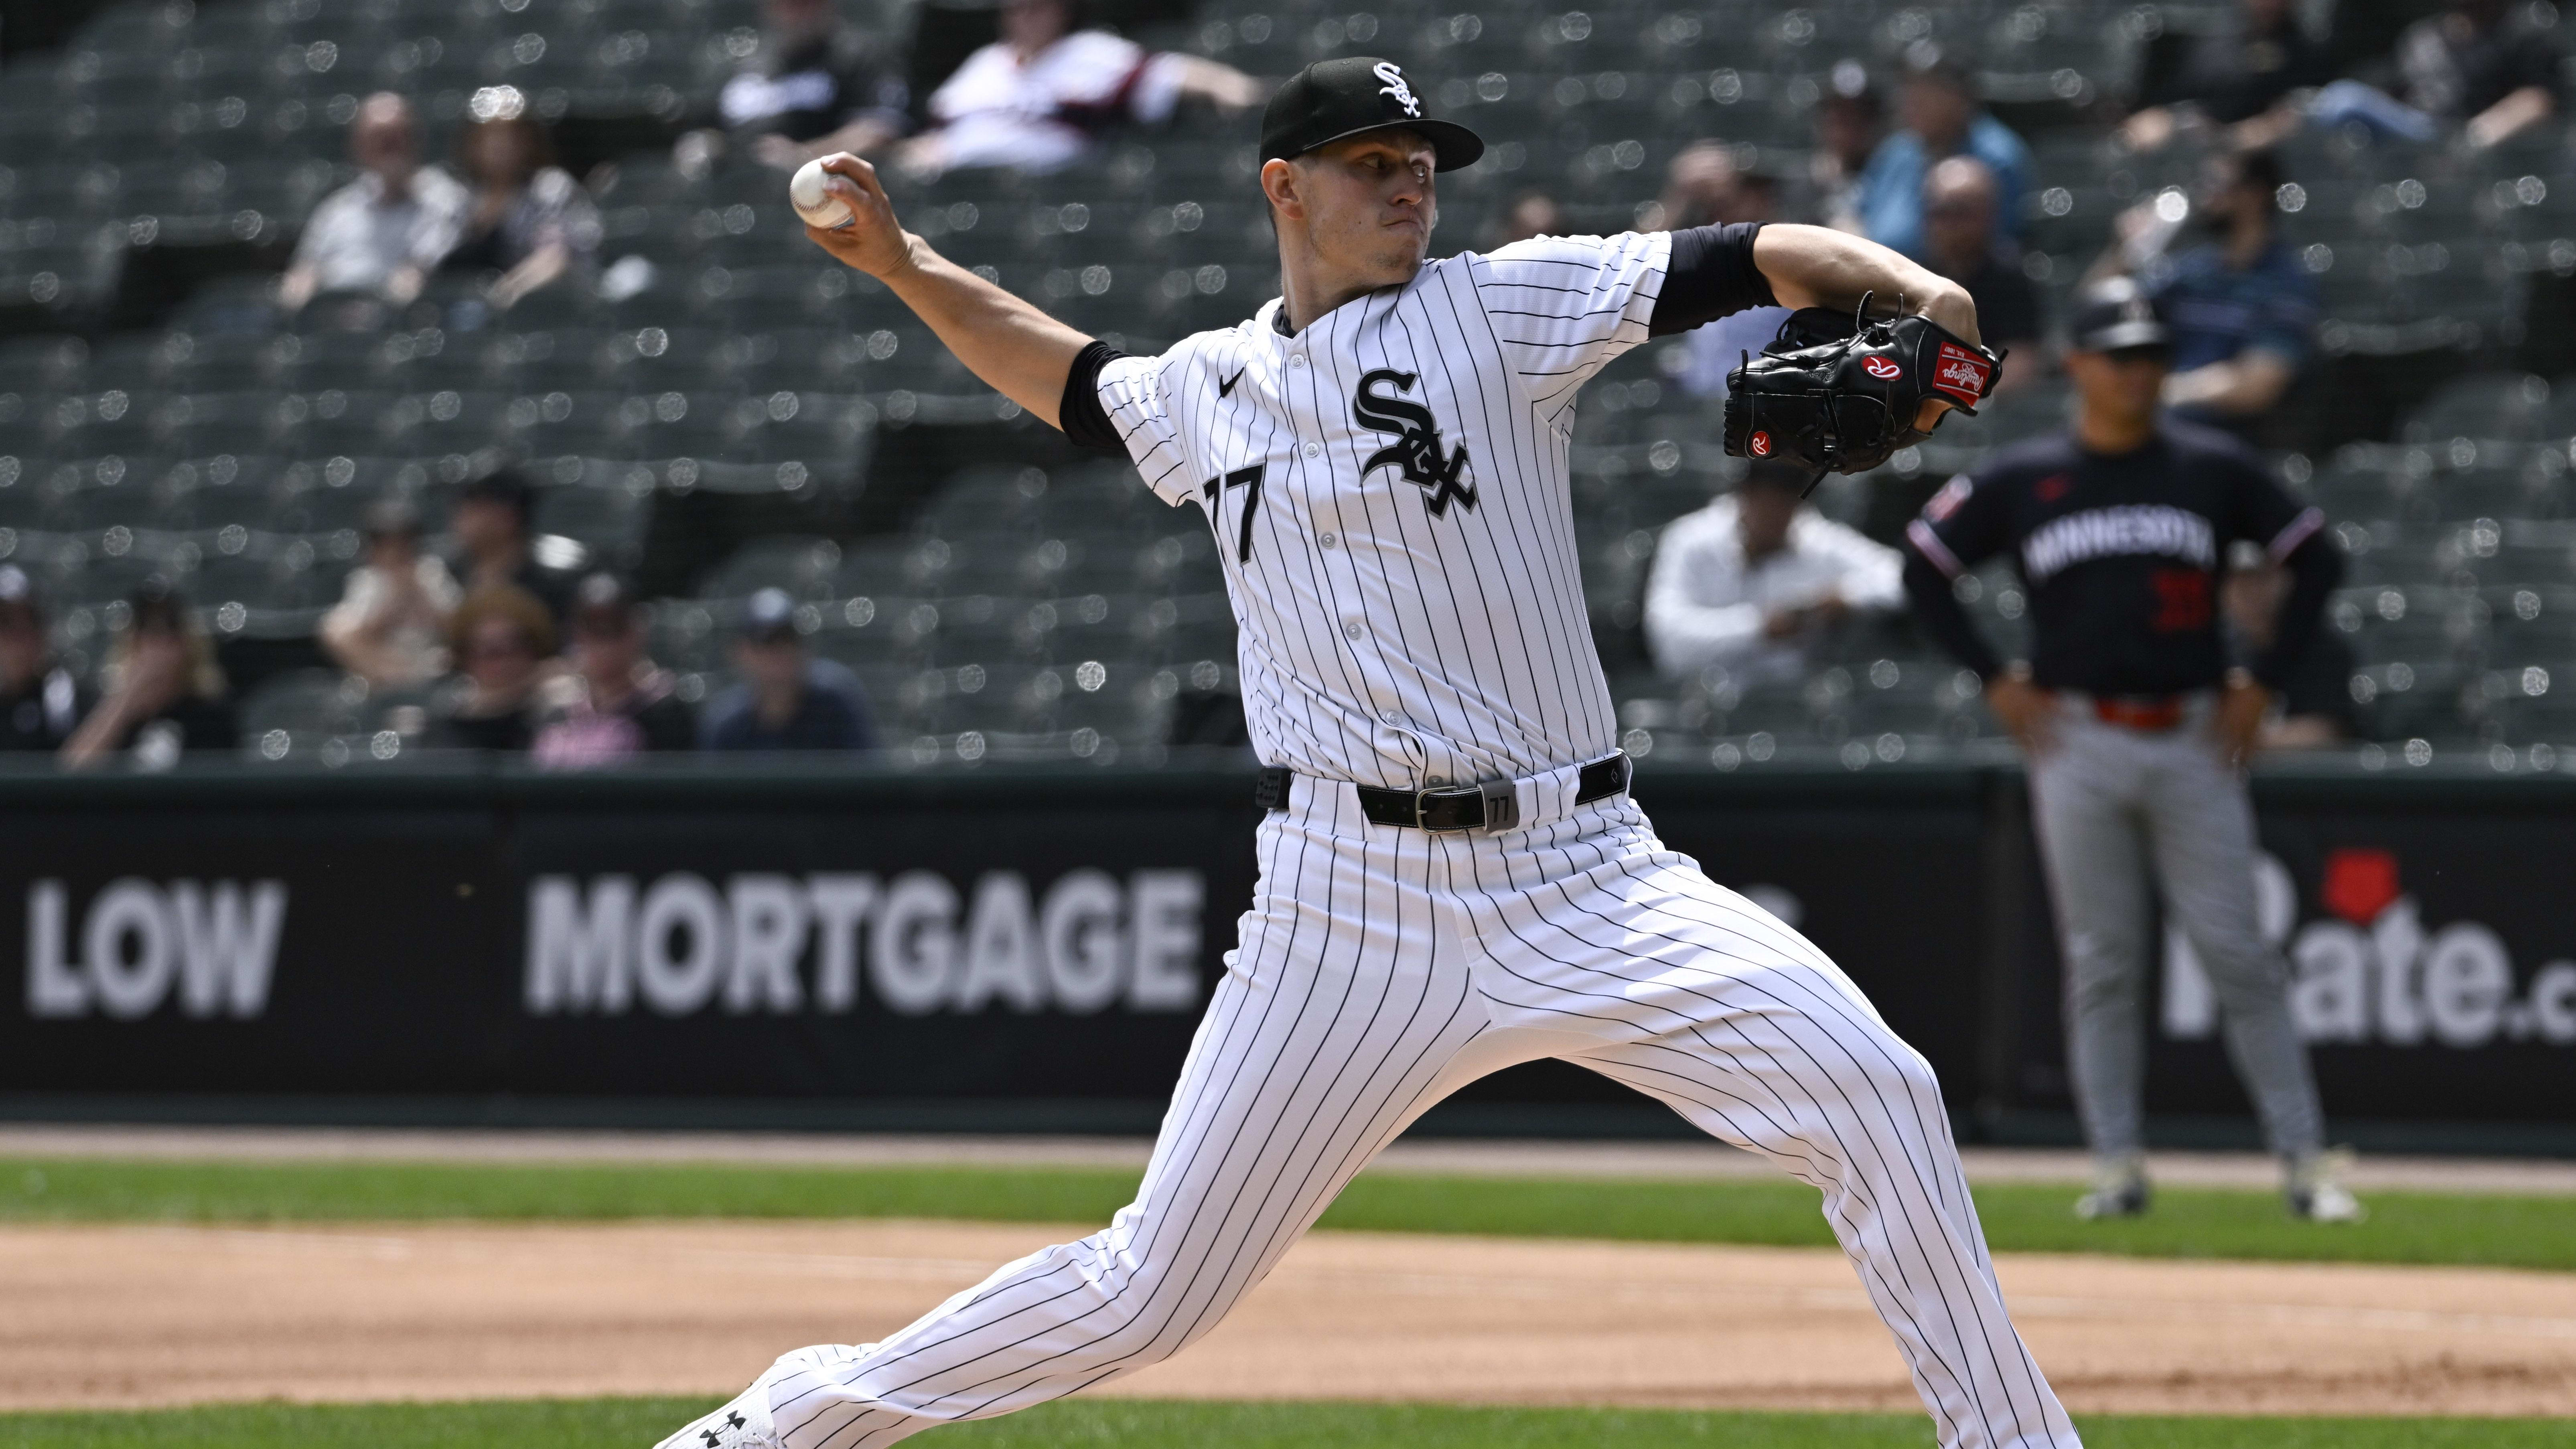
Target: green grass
634	1423
2414	1227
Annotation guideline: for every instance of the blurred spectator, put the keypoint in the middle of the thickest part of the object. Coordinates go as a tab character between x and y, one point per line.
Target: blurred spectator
1035	98
530	222
1705	186
504	638
1940	118
390	626
1849	122
40	702
385	232
614	704
788	700
1959	228
491	526
817	85
2247	75
2486	66
1749	582
1532	213
2241	306
165	696
2313	706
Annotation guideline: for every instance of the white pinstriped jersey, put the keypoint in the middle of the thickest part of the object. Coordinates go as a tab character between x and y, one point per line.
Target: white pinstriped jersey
1388	489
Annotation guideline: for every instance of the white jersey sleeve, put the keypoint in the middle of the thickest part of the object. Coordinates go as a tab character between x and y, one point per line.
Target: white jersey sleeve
1563	306
1134	392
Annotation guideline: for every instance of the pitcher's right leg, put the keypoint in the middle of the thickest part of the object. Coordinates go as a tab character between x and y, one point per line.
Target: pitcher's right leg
1333	1024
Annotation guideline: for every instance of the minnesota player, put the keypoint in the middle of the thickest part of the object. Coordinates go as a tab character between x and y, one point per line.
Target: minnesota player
1453	878
2136	725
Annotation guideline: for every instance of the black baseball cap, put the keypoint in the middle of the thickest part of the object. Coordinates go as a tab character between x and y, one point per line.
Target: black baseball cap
2117	315
1332	99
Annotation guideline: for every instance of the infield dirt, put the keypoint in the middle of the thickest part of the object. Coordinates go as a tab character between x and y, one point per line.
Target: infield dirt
121	1316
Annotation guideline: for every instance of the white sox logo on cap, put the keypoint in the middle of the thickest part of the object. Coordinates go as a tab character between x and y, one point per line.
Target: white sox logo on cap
1395	86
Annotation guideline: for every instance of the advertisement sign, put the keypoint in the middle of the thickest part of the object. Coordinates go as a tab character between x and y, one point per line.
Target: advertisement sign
963	940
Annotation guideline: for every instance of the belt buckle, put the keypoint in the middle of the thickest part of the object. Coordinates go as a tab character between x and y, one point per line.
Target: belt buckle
1422	800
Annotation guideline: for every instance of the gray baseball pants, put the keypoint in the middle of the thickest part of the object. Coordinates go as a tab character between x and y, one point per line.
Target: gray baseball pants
2113	804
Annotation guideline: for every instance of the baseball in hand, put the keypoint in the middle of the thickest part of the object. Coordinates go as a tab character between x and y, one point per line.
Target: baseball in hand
819	207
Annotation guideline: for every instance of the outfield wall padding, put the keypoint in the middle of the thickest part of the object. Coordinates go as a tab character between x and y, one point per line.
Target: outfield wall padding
816	937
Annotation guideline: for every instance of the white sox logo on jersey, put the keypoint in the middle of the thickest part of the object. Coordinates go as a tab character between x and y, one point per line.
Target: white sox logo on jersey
1417	447
1395	86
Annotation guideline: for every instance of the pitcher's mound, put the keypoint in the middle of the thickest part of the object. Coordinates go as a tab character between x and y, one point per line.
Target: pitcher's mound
123	1316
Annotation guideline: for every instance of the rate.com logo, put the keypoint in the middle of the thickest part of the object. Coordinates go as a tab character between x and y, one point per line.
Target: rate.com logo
2369	970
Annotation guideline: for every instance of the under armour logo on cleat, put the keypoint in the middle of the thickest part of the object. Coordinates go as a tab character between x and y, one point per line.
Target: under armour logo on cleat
1226	385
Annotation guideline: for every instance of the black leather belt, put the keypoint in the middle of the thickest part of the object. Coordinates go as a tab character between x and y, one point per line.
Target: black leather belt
1493	805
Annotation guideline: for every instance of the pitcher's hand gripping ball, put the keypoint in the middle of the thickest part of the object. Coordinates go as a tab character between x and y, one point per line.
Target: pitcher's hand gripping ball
1834	393
814	201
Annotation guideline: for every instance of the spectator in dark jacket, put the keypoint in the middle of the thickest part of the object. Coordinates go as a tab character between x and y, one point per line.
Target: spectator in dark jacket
817	85
530	224
40	702
788	700
615	705
2246	77
503	638
491	522
2241	307
2487	67
166	696
1959	200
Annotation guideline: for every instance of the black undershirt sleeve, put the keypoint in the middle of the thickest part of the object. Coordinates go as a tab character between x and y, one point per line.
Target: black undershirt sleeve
1079	413
1711	274
1938	610
2316	566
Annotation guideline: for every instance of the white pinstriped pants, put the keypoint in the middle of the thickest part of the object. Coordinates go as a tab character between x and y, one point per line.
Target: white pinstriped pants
1380	969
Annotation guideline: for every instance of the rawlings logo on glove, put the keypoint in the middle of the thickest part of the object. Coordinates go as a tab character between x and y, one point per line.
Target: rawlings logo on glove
1836	394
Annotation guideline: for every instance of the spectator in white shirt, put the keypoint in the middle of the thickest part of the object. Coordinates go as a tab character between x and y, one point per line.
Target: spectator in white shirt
1749	582
385	232
1035	98
390	626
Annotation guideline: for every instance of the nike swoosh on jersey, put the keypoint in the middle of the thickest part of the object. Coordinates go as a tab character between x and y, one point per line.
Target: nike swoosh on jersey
1226	385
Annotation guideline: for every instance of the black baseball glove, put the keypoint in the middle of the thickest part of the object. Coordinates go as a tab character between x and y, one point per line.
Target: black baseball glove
1835	393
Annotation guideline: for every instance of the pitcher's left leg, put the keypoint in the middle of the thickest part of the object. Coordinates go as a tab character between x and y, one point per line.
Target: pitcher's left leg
1707	1002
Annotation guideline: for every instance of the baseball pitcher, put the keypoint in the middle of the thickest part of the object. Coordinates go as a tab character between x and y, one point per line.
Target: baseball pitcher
1452	876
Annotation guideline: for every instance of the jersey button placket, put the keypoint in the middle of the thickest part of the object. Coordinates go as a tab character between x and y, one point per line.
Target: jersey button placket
1329	539
1313	450
1354	630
